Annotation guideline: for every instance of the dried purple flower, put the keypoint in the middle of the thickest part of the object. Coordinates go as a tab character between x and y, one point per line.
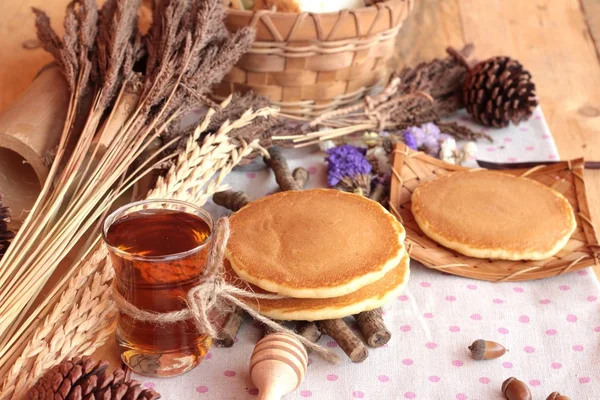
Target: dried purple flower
426	137
410	140
348	169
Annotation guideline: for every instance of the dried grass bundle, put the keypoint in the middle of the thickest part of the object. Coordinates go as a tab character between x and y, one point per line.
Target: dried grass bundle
413	96
185	52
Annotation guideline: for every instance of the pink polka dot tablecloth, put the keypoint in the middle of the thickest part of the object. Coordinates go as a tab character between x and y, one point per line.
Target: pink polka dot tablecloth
551	327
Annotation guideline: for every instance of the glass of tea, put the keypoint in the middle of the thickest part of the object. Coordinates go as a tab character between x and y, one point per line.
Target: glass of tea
158	250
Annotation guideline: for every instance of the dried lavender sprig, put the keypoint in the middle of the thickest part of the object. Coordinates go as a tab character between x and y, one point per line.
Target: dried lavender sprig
348	169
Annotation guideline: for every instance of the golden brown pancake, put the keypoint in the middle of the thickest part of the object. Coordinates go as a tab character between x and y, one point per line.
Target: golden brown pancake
488	214
314	243
366	298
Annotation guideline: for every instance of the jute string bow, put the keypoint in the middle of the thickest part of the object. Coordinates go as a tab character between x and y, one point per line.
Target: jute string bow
213	290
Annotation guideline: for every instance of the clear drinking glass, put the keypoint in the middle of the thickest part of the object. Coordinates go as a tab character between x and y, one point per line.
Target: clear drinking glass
158	249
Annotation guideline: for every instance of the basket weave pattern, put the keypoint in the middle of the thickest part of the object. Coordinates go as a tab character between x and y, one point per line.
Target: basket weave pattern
309	63
582	250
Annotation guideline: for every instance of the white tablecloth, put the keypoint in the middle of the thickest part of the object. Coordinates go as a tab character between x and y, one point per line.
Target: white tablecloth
551	327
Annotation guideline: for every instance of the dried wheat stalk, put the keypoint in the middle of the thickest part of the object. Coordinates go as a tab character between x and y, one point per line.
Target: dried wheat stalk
83	316
83	309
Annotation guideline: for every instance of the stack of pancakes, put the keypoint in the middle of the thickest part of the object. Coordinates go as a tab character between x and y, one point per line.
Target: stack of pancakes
330	254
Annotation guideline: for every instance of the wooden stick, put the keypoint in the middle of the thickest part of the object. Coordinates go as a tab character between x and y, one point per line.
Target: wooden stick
281	169
352	345
231	199
372	326
230	328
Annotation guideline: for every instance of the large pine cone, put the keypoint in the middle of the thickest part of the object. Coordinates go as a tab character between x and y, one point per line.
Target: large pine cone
5	234
84	379
499	90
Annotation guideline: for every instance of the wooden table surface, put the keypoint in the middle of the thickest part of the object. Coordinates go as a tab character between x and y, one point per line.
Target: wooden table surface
557	40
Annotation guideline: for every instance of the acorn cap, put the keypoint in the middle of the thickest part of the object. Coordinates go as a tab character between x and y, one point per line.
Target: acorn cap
477	349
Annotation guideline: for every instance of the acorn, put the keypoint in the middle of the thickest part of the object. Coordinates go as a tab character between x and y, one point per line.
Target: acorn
557	396
486	350
514	389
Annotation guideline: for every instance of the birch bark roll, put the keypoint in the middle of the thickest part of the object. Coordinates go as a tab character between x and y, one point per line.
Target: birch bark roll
30	130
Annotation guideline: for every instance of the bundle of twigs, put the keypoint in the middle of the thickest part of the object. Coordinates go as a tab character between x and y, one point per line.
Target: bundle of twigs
413	96
156	78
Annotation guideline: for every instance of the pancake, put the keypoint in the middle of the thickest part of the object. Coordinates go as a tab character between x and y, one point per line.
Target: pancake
293	309
488	214
314	243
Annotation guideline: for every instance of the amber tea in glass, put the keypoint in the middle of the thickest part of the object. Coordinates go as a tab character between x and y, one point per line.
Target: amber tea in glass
158	250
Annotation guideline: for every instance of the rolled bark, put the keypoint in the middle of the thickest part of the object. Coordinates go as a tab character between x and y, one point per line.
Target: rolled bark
30	130
230	328
309	330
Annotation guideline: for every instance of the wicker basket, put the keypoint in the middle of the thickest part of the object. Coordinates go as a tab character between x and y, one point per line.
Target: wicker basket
583	249
311	63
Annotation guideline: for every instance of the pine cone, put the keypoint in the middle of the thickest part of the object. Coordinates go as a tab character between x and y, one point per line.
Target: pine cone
84	379
499	90
5	234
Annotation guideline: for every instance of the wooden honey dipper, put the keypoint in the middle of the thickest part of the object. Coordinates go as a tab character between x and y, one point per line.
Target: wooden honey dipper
278	365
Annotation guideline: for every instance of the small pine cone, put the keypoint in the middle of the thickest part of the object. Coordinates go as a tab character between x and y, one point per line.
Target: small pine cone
5	234
499	90
84	379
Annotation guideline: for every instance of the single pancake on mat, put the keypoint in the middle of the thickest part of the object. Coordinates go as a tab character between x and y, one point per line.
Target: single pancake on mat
488	214
314	243
366	298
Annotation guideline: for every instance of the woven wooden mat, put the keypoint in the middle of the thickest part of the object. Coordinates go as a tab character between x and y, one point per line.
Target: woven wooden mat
411	168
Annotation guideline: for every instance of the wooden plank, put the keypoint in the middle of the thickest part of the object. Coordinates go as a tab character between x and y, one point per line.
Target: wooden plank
432	26
19	63
591	9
